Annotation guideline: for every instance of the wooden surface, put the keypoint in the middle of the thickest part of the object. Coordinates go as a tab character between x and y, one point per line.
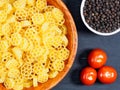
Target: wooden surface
72	46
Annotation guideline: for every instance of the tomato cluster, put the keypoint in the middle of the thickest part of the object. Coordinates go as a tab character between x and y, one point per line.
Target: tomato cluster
105	74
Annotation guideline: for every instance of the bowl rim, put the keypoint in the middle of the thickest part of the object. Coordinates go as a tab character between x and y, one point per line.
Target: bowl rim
90	28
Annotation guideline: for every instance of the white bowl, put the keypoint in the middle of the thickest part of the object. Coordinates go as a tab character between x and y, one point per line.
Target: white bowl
90	28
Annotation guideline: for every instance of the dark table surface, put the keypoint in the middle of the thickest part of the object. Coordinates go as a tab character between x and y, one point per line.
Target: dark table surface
87	41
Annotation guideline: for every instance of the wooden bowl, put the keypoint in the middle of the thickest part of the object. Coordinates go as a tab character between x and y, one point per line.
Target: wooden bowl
72	46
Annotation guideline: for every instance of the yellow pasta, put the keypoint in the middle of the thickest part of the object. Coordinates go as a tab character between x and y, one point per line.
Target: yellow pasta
4	45
12	63
31	11
38	68
28	83
17	52
30	33
30	2
8	8
13	72
63	28
49	17
40	4
6	56
18	82
6	29
33	43
53	55
36	52
63	54
35	82
58	65
18	4
3	16
16	39
48	8
44	27
30	58
26	70
25	23
3	74
9	83
21	14
24	44
29	46
3	2
64	40
16	27
11	19
18	87
58	15
38	18
53	74
18	79
42	77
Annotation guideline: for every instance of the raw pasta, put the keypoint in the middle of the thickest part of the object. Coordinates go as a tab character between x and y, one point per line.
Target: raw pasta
33	43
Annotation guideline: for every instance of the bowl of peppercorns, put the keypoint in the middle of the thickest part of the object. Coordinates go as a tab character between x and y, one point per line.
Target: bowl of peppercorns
101	16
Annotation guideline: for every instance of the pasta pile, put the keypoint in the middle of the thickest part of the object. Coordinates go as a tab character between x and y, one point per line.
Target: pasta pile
33	43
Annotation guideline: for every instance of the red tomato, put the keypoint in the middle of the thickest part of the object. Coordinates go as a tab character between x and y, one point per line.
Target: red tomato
88	76
107	74
97	58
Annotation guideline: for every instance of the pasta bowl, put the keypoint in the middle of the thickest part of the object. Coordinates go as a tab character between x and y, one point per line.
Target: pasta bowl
72	47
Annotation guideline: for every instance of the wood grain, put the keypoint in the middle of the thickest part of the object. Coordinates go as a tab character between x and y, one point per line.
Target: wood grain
72	46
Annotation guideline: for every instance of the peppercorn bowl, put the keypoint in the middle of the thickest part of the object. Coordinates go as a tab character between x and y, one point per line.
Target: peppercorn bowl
101	16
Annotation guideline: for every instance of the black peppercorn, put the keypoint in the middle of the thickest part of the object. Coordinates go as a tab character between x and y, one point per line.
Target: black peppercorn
102	15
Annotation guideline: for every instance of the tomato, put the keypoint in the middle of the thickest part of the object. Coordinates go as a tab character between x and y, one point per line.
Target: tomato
107	74
97	58
88	76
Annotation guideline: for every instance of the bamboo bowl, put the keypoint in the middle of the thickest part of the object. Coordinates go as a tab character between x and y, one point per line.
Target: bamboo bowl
72	46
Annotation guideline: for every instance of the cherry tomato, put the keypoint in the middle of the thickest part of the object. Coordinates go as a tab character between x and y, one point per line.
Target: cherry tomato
97	58
88	76
107	74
